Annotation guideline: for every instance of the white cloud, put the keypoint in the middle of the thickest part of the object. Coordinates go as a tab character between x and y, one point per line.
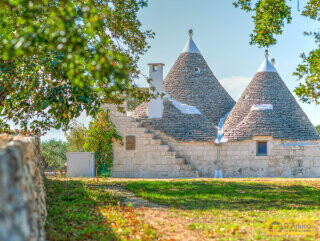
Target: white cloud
235	85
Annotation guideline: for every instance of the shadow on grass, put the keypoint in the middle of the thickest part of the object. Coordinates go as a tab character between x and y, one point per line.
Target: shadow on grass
72	212
206	195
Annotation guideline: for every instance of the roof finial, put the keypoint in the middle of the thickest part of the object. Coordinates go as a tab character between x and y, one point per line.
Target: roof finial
190	46
267	66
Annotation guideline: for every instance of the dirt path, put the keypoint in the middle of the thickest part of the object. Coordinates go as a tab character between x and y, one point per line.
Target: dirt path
166	221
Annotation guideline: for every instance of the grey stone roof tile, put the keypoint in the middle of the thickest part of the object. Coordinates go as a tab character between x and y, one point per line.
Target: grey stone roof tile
201	90
182	127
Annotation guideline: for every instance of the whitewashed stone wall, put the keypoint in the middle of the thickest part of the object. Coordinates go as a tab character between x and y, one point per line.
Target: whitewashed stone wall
22	199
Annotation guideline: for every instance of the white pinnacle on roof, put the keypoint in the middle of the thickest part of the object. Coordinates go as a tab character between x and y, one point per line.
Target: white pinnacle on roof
190	46
267	66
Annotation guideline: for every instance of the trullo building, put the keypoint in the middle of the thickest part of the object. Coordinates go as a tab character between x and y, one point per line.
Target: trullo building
197	129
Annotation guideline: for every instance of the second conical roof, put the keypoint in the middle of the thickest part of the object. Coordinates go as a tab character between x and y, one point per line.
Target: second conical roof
283	117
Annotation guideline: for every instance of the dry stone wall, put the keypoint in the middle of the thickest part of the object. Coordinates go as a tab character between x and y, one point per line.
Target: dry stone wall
22	199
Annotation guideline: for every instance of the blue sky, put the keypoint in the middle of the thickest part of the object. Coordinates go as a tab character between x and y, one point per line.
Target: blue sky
221	32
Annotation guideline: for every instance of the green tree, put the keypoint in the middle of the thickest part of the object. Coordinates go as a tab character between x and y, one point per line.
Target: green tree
76	136
137	99
102	132
318	128
54	154
60	58
269	18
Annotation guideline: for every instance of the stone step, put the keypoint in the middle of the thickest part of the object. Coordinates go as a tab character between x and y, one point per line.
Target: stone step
165	147
136	125
171	153
146	135
141	130
159	144
155	141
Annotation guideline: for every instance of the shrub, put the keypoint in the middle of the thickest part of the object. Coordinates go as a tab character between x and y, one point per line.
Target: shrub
102	132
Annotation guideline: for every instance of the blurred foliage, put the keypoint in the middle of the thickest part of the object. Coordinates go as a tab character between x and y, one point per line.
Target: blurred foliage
136	100
76	137
102	132
54	154
318	128
269	18
59	58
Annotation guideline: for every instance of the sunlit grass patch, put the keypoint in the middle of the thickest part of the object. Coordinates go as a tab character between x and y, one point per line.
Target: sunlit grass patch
232	210
80	211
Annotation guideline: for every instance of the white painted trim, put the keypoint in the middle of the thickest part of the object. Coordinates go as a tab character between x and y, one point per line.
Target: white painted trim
262	107
266	66
184	108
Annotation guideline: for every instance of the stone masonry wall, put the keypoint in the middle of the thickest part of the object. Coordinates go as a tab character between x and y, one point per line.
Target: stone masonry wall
239	159
202	156
235	159
143	156
284	159
22	199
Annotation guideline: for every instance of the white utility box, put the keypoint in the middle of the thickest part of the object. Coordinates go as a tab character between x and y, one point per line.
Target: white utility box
80	164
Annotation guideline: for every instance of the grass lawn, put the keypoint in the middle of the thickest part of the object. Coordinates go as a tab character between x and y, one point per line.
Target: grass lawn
78	210
236	209
224	209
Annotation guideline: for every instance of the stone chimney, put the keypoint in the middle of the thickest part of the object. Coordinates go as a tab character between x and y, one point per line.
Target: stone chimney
155	108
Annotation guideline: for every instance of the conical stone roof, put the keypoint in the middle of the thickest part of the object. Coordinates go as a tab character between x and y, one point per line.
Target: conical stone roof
192	82
267	108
